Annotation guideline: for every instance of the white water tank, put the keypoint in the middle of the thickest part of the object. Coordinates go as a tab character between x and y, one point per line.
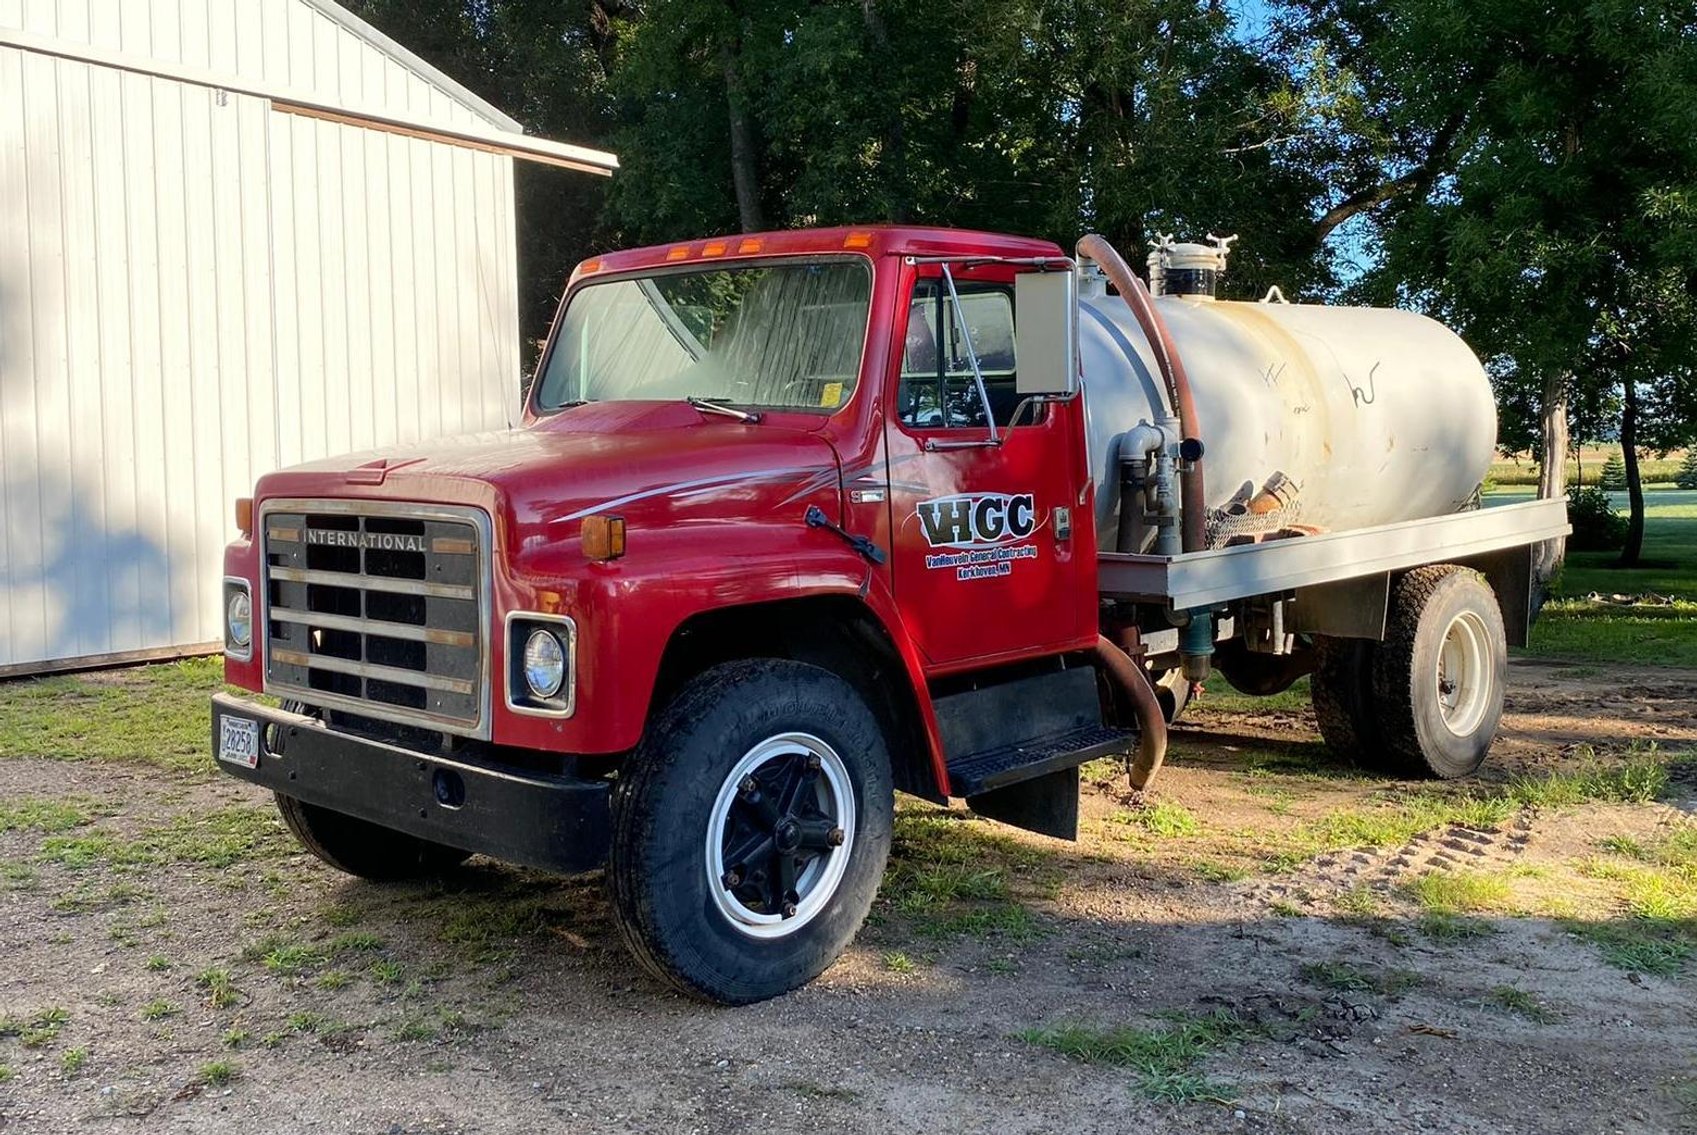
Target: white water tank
1334	418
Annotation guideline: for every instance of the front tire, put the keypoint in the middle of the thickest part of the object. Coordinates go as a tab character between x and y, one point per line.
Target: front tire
362	848
750	830
1440	675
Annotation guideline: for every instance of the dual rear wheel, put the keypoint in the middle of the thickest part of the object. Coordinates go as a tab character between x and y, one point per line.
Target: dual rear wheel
1428	699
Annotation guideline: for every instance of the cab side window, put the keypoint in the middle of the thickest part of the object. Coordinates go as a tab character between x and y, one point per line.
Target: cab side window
937	387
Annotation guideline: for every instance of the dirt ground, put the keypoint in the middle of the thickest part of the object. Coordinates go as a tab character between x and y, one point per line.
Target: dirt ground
172	963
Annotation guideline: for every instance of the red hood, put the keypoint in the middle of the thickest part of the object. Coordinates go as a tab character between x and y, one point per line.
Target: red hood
653	463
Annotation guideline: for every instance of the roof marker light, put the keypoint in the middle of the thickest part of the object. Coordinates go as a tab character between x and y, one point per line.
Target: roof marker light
677	253
858	240
716	248
749	245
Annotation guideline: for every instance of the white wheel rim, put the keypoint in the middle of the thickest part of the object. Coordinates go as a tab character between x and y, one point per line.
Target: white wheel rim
829	798
1465	674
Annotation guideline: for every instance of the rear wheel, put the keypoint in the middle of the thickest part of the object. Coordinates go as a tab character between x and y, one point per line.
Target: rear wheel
750	830
362	848
1440	675
1341	689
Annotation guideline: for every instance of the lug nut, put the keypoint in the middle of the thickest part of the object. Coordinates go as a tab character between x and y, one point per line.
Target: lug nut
748	787
789	910
834	837
732	880
813	762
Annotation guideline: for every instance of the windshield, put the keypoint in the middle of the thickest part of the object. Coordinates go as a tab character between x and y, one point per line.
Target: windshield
785	336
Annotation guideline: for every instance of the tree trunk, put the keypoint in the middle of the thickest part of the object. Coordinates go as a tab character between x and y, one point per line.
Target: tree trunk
1552	479
895	135
745	174
1634	486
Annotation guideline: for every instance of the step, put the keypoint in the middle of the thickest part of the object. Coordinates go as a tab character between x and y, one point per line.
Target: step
989	769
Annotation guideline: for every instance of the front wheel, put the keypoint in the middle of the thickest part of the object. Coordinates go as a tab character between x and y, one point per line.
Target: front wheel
750	830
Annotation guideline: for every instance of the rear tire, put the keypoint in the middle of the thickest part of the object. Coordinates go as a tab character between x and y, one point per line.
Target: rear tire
1441	673
365	849
1341	689
750	830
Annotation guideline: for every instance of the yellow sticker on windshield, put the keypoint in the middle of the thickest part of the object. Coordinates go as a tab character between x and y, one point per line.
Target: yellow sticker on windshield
832	394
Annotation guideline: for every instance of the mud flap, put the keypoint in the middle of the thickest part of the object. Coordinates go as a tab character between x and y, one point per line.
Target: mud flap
1047	804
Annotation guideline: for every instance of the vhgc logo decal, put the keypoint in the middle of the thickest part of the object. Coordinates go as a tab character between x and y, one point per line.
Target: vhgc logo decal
986	529
968	520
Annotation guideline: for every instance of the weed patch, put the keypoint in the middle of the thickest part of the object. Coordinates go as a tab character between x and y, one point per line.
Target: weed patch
1161	819
37	1029
35	814
1165	1060
1458	892
1510	999
1640	946
217	1073
1346	977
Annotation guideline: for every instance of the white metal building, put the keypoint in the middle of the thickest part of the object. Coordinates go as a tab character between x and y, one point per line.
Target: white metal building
234	235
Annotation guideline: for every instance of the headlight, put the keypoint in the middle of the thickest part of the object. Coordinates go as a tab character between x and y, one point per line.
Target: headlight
238	614
544	663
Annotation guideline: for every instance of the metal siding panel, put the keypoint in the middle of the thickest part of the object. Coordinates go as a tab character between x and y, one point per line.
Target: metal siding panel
39	16
113	329
224	48
401	286
49	521
20	524
259	297
331	408
267	52
194	35
105	24
174	425
380	270
89	625
201	284
326	74
353	286
167	31
427	288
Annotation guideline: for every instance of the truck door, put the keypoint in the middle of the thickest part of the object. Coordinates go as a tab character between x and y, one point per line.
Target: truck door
993	546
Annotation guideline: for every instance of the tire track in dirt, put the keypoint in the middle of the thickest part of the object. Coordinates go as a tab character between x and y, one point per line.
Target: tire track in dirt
1449	847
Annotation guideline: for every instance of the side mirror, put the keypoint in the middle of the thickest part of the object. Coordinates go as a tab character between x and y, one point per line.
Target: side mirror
1045	332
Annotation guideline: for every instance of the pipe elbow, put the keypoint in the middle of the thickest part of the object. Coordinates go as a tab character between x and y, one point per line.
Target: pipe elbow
1151	722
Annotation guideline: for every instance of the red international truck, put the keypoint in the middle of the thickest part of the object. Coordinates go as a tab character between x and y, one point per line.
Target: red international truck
796	521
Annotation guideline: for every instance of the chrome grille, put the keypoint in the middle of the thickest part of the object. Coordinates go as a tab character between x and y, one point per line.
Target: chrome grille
379	608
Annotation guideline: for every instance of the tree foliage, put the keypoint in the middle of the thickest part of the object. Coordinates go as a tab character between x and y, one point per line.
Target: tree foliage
1558	230
1524	170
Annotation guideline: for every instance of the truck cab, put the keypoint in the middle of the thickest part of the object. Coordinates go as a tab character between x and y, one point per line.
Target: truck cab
792	521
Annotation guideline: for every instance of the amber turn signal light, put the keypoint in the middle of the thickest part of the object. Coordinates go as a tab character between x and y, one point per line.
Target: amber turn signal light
244	515
603	537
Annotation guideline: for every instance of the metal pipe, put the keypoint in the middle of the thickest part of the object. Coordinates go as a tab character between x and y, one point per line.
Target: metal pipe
1152	725
1136	296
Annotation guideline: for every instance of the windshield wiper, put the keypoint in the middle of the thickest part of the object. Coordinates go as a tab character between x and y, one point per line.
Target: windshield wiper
714	406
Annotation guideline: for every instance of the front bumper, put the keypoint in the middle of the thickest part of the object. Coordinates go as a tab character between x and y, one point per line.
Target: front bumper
559	823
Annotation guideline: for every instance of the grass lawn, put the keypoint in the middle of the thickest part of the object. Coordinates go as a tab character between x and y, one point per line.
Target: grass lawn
1573	626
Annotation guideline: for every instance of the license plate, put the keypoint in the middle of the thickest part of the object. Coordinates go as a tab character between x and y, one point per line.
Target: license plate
238	741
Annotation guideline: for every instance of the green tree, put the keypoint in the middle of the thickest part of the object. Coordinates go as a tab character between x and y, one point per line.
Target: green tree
1045	117
1556	224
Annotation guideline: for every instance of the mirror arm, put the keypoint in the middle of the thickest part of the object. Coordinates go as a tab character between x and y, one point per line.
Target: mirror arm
971	356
